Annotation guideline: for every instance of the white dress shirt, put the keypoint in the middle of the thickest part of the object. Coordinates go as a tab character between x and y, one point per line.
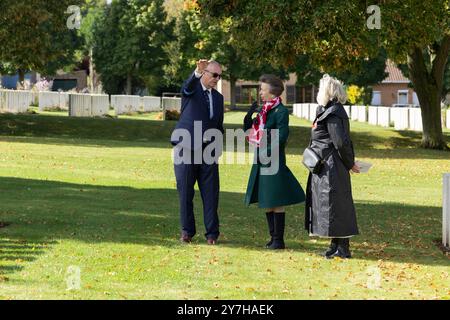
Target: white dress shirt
209	92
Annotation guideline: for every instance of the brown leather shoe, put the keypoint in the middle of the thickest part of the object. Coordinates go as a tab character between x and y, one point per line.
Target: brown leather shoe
212	241
185	238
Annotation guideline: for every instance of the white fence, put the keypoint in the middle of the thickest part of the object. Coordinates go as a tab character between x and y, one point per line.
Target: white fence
15	101
130	104
446	211
88	105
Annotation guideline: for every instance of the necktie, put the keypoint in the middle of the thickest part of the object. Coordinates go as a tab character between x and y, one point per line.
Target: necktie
206	93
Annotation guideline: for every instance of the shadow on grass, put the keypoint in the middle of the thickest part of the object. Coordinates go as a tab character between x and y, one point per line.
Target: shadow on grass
85	131
14	252
107	132
44	212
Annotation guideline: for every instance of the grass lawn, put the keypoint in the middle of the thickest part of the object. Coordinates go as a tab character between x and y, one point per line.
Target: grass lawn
99	195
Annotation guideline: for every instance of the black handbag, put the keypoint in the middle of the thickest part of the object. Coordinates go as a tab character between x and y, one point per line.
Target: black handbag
311	159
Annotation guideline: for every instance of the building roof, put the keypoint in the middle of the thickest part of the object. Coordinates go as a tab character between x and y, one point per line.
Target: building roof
394	74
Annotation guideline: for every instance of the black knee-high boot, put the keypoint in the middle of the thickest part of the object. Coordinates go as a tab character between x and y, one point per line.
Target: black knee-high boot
278	234
270	222
333	247
343	249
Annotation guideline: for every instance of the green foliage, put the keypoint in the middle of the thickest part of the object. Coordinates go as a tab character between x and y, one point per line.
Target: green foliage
335	37
128	40
198	36
332	33
34	35
91	11
370	71
185	50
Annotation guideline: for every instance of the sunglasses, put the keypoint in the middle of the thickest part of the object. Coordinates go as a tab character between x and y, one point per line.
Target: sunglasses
215	74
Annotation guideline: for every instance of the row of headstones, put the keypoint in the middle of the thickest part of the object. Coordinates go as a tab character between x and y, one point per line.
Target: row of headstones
399	118
84	105
15	101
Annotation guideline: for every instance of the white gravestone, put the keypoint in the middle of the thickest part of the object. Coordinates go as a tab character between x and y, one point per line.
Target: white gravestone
373	115
446	211
305	111
150	104
415	119
362	114
354	113
383	117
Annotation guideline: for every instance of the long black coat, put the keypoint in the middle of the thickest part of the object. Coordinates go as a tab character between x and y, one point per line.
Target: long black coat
329	208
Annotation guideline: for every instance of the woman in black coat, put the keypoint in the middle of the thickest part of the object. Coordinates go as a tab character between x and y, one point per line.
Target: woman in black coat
329	208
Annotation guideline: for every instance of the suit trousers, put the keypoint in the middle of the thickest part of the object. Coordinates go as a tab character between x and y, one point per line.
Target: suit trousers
207	177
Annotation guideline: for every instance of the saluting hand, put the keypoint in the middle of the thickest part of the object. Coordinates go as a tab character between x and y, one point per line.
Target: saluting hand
201	65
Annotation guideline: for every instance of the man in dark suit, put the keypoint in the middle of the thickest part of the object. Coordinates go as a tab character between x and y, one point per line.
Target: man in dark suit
201	105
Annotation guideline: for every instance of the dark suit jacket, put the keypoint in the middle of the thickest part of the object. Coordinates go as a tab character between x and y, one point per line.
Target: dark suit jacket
194	107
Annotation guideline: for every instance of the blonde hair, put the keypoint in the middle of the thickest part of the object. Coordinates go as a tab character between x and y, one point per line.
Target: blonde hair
330	88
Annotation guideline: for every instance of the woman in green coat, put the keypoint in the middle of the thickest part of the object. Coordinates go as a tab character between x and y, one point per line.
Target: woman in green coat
271	184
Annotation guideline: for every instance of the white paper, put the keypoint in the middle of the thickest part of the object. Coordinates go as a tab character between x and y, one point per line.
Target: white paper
363	166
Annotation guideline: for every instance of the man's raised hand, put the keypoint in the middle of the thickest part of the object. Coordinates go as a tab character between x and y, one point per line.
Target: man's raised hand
201	65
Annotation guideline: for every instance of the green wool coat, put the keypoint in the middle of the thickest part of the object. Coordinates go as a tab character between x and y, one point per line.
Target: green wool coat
282	188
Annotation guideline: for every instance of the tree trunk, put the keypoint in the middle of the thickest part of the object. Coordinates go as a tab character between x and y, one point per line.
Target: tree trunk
129	84
232	92
21	77
428	86
91	70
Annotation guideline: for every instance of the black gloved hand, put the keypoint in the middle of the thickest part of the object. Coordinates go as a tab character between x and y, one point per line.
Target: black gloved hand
248	121
253	107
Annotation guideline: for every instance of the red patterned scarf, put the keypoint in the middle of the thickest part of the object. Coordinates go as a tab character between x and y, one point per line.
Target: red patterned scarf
257	130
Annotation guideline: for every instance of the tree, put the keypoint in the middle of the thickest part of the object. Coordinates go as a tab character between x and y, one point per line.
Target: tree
198	36
335	35
92	10
34	35
370	71
237	65
128	40
185	49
